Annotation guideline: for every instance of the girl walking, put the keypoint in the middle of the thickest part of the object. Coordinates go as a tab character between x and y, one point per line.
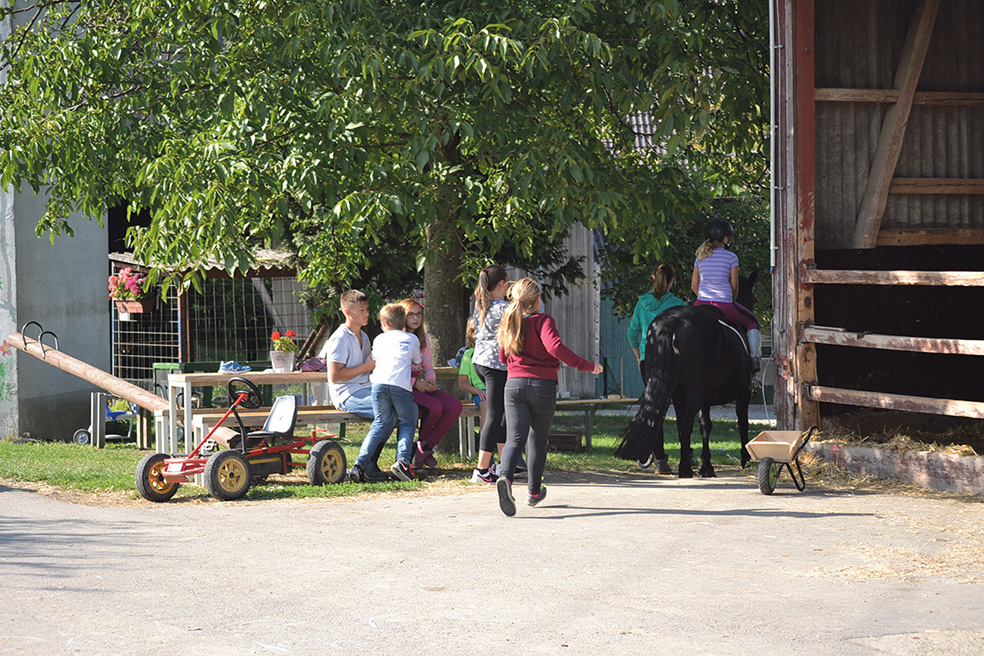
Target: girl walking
715	281
442	408
490	305
532	351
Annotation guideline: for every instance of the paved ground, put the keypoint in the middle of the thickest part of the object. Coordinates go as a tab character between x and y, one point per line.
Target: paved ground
609	565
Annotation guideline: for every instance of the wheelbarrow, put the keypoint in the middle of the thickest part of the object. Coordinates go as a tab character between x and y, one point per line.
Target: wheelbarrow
775	451
247	456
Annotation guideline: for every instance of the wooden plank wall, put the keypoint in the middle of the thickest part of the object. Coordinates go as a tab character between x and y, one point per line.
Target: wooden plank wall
858	50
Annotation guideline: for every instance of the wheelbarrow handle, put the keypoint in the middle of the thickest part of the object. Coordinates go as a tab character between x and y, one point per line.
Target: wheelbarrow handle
809	434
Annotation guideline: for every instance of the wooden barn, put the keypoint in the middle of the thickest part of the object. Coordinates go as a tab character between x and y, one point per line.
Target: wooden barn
878	202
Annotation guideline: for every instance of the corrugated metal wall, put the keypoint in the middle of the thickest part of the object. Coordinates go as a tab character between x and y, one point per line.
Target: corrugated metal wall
858	46
621	369
577	316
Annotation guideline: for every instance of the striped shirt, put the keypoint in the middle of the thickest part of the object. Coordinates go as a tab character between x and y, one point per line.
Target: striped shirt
715	276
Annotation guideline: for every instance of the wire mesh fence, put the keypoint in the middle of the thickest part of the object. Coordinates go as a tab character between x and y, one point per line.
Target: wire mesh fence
232	319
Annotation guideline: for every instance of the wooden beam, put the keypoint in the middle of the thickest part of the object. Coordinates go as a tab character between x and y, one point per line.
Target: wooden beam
929	237
905	403
888	96
937	186
837	337
893	129
932	278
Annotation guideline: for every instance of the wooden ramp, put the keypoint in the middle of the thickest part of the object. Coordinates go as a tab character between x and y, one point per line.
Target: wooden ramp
98	377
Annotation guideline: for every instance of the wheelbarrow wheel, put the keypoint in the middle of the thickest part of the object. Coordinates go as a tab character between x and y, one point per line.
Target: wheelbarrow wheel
768	474
150	479
326	463
227	475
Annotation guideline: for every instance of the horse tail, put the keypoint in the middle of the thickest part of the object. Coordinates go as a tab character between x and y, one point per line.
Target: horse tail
639	438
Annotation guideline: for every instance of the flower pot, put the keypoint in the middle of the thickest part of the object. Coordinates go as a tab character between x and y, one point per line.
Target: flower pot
281	361
135	307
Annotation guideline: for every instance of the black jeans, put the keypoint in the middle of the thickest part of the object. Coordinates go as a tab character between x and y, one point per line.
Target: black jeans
530	405
494	428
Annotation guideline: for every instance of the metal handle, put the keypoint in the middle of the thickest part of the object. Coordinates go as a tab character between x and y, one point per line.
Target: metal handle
24	331
41	336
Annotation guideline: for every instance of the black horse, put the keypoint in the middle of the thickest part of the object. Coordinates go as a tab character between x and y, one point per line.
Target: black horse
695	359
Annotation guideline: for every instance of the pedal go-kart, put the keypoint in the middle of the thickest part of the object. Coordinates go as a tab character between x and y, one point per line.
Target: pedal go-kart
229	472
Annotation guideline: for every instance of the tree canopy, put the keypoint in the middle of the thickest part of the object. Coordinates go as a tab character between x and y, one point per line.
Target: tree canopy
468	127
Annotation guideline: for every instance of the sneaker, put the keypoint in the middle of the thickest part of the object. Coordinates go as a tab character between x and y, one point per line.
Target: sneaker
506	501
535	499
488	477
356	475
233	367
402	471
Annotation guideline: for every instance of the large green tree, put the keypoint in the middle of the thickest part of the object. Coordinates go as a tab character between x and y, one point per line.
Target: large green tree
464	124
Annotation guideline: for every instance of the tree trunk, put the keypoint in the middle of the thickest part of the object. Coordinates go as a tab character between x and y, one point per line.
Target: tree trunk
445	314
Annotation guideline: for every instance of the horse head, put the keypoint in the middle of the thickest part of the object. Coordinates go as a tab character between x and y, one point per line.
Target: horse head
745	296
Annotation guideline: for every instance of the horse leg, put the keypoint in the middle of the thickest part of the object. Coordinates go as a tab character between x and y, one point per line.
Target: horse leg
706	468
685	426
742	400
659	452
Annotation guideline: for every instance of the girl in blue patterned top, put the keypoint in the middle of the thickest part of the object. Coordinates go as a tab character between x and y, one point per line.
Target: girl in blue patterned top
489	308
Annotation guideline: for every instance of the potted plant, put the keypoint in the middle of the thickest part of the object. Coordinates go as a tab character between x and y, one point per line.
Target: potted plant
284	351
127	292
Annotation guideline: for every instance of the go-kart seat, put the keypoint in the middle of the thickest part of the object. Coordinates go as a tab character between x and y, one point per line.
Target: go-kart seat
279	424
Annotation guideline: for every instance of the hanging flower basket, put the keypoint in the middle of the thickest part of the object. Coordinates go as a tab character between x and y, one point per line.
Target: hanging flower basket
135	307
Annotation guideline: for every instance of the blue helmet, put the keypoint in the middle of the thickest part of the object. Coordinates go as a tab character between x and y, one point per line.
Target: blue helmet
718	229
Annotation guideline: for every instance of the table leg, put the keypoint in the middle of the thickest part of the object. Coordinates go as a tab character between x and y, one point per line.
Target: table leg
589	417
189	429
172	421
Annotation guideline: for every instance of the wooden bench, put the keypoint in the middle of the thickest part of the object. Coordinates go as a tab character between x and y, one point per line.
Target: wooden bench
469	420
205	419
590	407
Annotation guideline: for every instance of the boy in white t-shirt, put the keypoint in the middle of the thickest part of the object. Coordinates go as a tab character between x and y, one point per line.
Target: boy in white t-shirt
392	394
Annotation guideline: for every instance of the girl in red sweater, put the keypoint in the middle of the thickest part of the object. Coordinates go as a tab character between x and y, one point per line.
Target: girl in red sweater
532	351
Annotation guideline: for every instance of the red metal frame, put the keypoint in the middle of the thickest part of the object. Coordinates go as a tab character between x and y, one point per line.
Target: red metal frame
180	470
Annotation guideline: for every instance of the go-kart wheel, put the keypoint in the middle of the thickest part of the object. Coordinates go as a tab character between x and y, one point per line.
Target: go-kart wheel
81	436
227	475
768	474
150	479
253	398
645	463
326	463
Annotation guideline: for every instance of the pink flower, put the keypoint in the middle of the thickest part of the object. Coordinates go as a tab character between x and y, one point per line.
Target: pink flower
5	348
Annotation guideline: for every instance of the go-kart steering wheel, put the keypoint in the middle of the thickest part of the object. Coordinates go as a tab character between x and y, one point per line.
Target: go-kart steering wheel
253	398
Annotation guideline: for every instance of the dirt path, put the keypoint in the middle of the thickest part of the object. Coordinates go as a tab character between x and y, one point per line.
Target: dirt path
608	565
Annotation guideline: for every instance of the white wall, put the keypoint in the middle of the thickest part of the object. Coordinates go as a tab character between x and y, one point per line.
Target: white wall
63	286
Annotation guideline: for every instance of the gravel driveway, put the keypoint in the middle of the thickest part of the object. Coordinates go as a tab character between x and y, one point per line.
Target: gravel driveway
608	565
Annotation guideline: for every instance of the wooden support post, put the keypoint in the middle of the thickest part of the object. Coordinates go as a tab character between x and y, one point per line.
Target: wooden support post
804	366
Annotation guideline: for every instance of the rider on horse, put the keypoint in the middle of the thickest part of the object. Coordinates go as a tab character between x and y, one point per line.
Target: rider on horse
715	281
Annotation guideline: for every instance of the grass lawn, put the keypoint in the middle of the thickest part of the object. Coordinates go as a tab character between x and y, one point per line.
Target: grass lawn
111	470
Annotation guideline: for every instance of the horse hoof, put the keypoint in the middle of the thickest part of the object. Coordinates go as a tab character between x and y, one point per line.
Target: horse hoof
707	472
663	466
686	473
